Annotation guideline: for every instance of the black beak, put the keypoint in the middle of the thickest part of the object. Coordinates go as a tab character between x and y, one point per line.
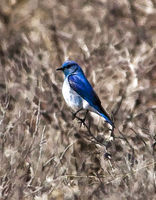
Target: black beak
59	69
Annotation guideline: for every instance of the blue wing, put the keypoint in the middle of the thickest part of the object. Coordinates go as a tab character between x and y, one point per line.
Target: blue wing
80	84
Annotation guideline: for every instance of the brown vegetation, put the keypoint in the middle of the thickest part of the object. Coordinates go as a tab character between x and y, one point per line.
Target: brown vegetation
44	154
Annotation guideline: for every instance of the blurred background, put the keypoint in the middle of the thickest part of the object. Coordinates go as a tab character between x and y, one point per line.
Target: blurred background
44	154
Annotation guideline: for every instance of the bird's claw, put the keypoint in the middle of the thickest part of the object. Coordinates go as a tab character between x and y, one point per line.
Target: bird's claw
81	122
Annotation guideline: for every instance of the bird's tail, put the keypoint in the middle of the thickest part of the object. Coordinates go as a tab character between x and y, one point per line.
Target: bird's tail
107	119
100	110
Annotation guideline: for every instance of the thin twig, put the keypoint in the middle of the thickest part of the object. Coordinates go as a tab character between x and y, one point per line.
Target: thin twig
90	133
48	161
66	149
104	176
35	132
41	147
138	136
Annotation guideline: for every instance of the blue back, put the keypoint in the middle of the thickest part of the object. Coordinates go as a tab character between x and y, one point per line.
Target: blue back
80	84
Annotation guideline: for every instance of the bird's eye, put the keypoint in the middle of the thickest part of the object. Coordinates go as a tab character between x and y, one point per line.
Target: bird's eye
68	66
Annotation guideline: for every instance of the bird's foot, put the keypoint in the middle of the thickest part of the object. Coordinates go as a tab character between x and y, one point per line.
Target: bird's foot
74	114
81	121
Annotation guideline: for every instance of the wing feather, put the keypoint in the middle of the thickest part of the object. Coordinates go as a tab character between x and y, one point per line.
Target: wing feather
80	84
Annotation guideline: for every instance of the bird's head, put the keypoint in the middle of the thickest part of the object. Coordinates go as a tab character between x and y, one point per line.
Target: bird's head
70	67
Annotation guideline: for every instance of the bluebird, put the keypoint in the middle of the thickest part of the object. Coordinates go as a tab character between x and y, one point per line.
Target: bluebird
78	92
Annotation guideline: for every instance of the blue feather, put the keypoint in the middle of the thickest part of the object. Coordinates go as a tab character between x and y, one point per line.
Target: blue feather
80	84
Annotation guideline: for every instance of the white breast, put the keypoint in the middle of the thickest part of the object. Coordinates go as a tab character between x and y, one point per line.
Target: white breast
72	99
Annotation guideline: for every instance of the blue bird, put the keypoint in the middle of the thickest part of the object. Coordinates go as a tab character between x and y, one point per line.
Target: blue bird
78	92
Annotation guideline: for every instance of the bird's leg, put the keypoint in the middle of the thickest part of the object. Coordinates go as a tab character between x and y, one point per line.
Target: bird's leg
82	121
85	116
74	114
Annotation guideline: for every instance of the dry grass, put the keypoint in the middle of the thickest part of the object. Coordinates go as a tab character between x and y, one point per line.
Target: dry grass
44	153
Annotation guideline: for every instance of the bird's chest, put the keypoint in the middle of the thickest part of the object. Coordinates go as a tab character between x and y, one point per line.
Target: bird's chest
71	97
